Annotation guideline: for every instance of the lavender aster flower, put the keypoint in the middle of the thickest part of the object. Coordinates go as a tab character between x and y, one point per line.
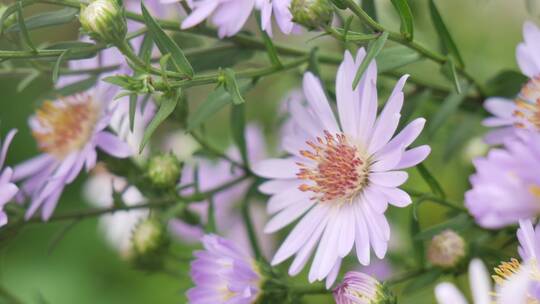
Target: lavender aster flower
340	178
447	293
223	273
7	188
523	113
505	187
360	288
282	15
68	131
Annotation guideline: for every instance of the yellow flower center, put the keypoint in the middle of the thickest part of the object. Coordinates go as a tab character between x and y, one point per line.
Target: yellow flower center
506	270
340	172
65	125
528	103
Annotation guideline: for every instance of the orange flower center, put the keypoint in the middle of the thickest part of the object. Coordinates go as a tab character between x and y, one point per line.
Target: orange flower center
528	103
65	125
339	172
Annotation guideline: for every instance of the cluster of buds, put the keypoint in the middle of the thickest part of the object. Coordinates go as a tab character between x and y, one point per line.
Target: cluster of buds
104	20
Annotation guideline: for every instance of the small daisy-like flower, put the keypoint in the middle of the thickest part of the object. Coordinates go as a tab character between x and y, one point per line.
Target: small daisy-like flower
68	131
520	282
7	188
223	273
447	293
505	187
522	113
282	14
340	177
360	288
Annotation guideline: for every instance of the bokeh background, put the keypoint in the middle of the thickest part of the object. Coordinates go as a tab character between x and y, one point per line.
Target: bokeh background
48	263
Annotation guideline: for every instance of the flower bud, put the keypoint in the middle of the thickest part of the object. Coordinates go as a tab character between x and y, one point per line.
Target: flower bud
446	249
149	242
104	20
311	13
358	287
164	170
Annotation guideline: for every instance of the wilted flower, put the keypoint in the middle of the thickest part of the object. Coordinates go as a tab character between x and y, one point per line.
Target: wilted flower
7	188
224	273
446	249
523	113
447	293
360	288
340	178
506	186
68	131
104	20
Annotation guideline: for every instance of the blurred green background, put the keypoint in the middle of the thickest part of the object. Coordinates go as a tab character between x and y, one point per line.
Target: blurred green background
39	266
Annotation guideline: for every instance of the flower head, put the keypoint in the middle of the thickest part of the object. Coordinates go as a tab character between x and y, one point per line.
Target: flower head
340	178
104	20
223	273
68	131
360	288
7	188
505	187
447	293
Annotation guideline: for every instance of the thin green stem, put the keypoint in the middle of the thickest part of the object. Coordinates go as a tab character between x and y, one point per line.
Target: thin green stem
246	215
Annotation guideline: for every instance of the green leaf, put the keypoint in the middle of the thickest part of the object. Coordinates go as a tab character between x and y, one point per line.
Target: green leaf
57	65
458	223
506	84
132	109
396	57
238	130
370	8
373	50
27	81
166	107
213	103
166	44
46	19
450	105
270	48
454	75
145	52
444	35
406	17
423	280
431	181
24	30
232	87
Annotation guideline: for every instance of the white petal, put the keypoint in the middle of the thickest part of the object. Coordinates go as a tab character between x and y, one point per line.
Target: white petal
276	168
447	293
389	178
317	100
480	282
287	216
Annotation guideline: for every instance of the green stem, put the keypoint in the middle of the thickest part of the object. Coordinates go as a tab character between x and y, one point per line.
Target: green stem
249	224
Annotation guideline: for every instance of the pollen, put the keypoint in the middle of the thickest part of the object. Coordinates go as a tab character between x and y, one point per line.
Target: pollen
506	270
335	170
65	125
528	104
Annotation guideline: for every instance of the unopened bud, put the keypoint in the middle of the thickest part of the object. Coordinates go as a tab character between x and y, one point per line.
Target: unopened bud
446	249
358	287
149	243
312	13
104	20
164	170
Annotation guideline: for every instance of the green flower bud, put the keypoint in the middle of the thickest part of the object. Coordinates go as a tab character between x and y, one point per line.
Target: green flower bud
150	241
447	249
104	20
164	170
312	13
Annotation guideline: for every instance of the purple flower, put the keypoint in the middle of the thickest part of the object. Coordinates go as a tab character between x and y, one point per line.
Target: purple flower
213	174
7	188
340	178
358	288
522	113
68	131
282	15
506	187
223	273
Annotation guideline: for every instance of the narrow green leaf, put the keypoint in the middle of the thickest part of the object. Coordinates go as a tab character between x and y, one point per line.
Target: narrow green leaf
450	105
46	19
270	48
454	75
132	110
444	35
163	65
373	50
27	81
418	245
396	57
238	130
24	30
166	107
432	182
370	8
57	65
406	17
213	103
145	52
166	44
232	87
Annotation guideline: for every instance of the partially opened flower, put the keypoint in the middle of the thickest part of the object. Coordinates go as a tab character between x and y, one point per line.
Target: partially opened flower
7	188
223	273
479	280
506	186
523	113
520	282
360	288
68	132
340	177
